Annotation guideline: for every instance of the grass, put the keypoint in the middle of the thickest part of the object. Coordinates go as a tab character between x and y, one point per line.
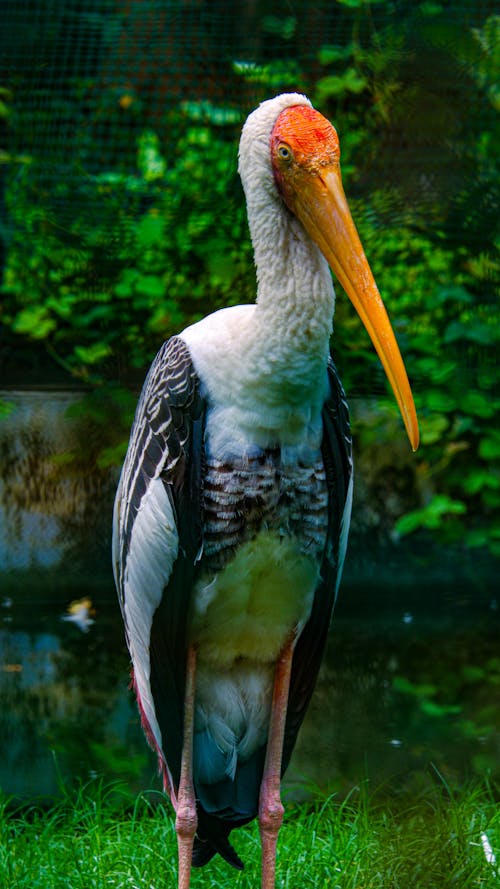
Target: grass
93	838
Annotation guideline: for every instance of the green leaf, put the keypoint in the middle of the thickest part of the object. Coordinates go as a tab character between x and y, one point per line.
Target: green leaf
431	516
151	164
150	230
478	479
436	369
282	26
92	317
432	708
126	283
418	690
429	9
92	354
204	110
34	321
63	305
477	404
432	428
438	400
400	683
338	85
489	447
151	285
473	331
329	54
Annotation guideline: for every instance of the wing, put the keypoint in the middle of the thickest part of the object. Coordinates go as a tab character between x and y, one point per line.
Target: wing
337	458
156	539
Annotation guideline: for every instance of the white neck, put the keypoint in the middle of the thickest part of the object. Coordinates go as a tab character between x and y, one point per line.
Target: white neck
272	382
295	297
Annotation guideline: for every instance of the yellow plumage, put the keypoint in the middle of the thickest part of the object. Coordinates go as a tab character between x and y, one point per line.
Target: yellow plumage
247	610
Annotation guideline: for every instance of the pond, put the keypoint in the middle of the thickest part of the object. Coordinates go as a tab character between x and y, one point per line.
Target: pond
410	682
399	692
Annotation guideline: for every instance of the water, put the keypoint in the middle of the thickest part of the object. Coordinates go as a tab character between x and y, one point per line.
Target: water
397	693
410	681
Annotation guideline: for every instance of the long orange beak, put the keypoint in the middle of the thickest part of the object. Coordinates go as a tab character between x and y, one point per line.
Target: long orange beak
320	204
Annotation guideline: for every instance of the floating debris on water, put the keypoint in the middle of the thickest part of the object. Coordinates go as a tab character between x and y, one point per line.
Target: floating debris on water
80	612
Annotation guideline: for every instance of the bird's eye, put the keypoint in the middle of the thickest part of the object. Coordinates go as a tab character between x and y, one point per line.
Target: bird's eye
284	153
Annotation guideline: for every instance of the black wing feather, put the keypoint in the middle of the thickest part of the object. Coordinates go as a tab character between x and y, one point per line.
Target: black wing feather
169	630
166	443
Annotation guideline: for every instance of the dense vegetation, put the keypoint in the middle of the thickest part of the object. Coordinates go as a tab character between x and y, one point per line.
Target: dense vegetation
109	252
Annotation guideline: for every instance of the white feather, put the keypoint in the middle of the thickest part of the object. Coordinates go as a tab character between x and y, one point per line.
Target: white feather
153	549
264	366
232	714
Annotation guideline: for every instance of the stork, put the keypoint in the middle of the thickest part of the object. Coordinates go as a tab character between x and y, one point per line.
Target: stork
233	507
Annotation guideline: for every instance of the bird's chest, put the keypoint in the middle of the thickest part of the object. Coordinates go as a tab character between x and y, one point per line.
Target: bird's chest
263	491
265	526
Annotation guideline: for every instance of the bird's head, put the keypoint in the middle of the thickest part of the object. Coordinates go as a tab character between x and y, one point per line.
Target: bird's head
305	159
290	153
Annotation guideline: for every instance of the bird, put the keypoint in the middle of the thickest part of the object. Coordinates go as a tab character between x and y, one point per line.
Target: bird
233	506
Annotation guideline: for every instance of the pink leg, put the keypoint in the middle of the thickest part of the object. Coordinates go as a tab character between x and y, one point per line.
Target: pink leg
186	820
270	806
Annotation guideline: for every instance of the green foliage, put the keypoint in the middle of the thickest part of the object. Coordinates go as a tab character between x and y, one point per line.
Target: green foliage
435	259
166	244
5	100
488	67
106	261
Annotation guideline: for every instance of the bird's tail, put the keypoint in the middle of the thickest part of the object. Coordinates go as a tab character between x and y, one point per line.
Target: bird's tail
211	838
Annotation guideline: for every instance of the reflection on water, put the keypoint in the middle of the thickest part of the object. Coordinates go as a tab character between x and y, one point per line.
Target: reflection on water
397	692
64	709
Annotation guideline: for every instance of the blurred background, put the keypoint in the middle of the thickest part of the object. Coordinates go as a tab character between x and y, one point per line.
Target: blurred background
122	220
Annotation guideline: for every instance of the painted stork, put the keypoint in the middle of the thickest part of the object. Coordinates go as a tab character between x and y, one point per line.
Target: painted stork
233	507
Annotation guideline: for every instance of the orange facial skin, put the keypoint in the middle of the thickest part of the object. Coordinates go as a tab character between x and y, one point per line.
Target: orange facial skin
311	140
311	137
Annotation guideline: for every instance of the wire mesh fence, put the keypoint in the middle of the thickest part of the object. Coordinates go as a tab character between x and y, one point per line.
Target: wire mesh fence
121	213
